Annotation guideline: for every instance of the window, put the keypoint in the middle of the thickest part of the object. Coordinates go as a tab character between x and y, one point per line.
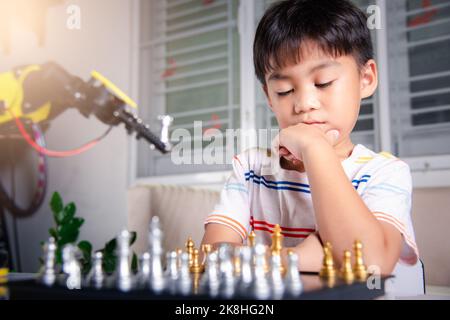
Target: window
189	57
191	66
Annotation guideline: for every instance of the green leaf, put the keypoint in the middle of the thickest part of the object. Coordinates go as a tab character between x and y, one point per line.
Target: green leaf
109	263
133	237
53	233
86	249
134	263
69	232
68	212
110	246
56	203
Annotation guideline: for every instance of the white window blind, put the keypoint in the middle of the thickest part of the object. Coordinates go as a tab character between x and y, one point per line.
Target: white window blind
189	59
419	49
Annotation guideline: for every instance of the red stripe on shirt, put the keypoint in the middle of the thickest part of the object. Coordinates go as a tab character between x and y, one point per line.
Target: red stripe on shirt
253	222
289	235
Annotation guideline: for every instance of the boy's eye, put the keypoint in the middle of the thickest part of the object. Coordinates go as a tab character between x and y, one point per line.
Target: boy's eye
323	85
285	93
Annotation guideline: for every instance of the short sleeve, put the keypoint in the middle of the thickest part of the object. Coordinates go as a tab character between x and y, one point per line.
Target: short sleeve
233	209
388	195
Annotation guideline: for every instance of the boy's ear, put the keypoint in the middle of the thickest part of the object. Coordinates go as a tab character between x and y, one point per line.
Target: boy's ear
369	79
266	92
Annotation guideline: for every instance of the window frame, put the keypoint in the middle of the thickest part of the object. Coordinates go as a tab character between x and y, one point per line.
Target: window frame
427	171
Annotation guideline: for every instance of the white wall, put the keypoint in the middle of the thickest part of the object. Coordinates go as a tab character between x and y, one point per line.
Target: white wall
97	180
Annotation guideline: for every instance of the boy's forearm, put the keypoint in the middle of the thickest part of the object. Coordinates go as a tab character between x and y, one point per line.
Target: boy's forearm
310	253
341	215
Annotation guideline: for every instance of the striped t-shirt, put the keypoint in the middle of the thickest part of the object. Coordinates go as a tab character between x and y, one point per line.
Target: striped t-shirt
255	198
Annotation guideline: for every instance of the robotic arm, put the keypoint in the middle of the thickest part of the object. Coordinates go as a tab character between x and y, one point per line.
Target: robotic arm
40	93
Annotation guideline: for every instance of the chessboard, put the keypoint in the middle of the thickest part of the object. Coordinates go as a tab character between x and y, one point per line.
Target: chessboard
249	272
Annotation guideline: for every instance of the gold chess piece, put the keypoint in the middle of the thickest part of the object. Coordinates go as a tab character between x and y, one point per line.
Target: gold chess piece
277	244
237	261
252	239
190	250
346	271
359	269
328	270
196	265
206	249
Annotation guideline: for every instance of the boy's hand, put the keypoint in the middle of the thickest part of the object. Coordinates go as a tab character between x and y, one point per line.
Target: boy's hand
292	141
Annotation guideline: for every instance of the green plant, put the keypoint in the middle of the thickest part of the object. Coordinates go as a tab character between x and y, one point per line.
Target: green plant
67	229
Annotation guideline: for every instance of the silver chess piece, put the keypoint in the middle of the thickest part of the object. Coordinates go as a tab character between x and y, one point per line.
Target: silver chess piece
184	280
71	267
96	276
171	273
124	276
246	276
276	278
143	276
210	281
157	282
261	288
227	281
293	283
47	274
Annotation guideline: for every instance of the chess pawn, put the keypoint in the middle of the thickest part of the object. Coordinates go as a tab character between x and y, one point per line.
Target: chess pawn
209	284
292	280
172	273
71	267
328	270
237	261
196	267
277	245
359	269
96	276
190	250
252	239
144	273
179	252
246	275
276	278
261	288
346	271
206	249
184	280
157	275
124	277
226	271
47	274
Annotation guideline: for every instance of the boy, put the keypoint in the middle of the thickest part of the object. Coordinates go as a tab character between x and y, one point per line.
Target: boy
314	59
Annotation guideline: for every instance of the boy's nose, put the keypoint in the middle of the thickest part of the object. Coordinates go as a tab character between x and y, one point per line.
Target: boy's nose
305	103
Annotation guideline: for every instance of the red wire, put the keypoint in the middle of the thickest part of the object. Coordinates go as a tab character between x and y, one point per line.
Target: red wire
51	153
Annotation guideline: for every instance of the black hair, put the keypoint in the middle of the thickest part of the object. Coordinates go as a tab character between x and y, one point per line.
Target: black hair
338	27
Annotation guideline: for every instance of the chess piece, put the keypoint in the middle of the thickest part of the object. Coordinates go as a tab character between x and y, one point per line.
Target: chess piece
276	278
184	280
209	284
277	245
252	239
328	270
359	269
96	276
172	273
124	276
246	275
144	272
190	250
206	249
226	288
179	252
292	280
157	275
346	272
47	274
237	261
196	269
71	267
261	288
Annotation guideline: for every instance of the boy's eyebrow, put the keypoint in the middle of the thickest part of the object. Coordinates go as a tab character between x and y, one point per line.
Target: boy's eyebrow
279	76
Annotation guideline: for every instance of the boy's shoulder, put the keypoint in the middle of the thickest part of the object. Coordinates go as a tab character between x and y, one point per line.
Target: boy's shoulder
383	161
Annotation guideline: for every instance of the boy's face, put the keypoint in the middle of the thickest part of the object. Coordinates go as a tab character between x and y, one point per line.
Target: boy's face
322	91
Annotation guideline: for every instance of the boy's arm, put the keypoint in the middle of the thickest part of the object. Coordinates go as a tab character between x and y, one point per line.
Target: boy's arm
341	214
216	233
310	254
